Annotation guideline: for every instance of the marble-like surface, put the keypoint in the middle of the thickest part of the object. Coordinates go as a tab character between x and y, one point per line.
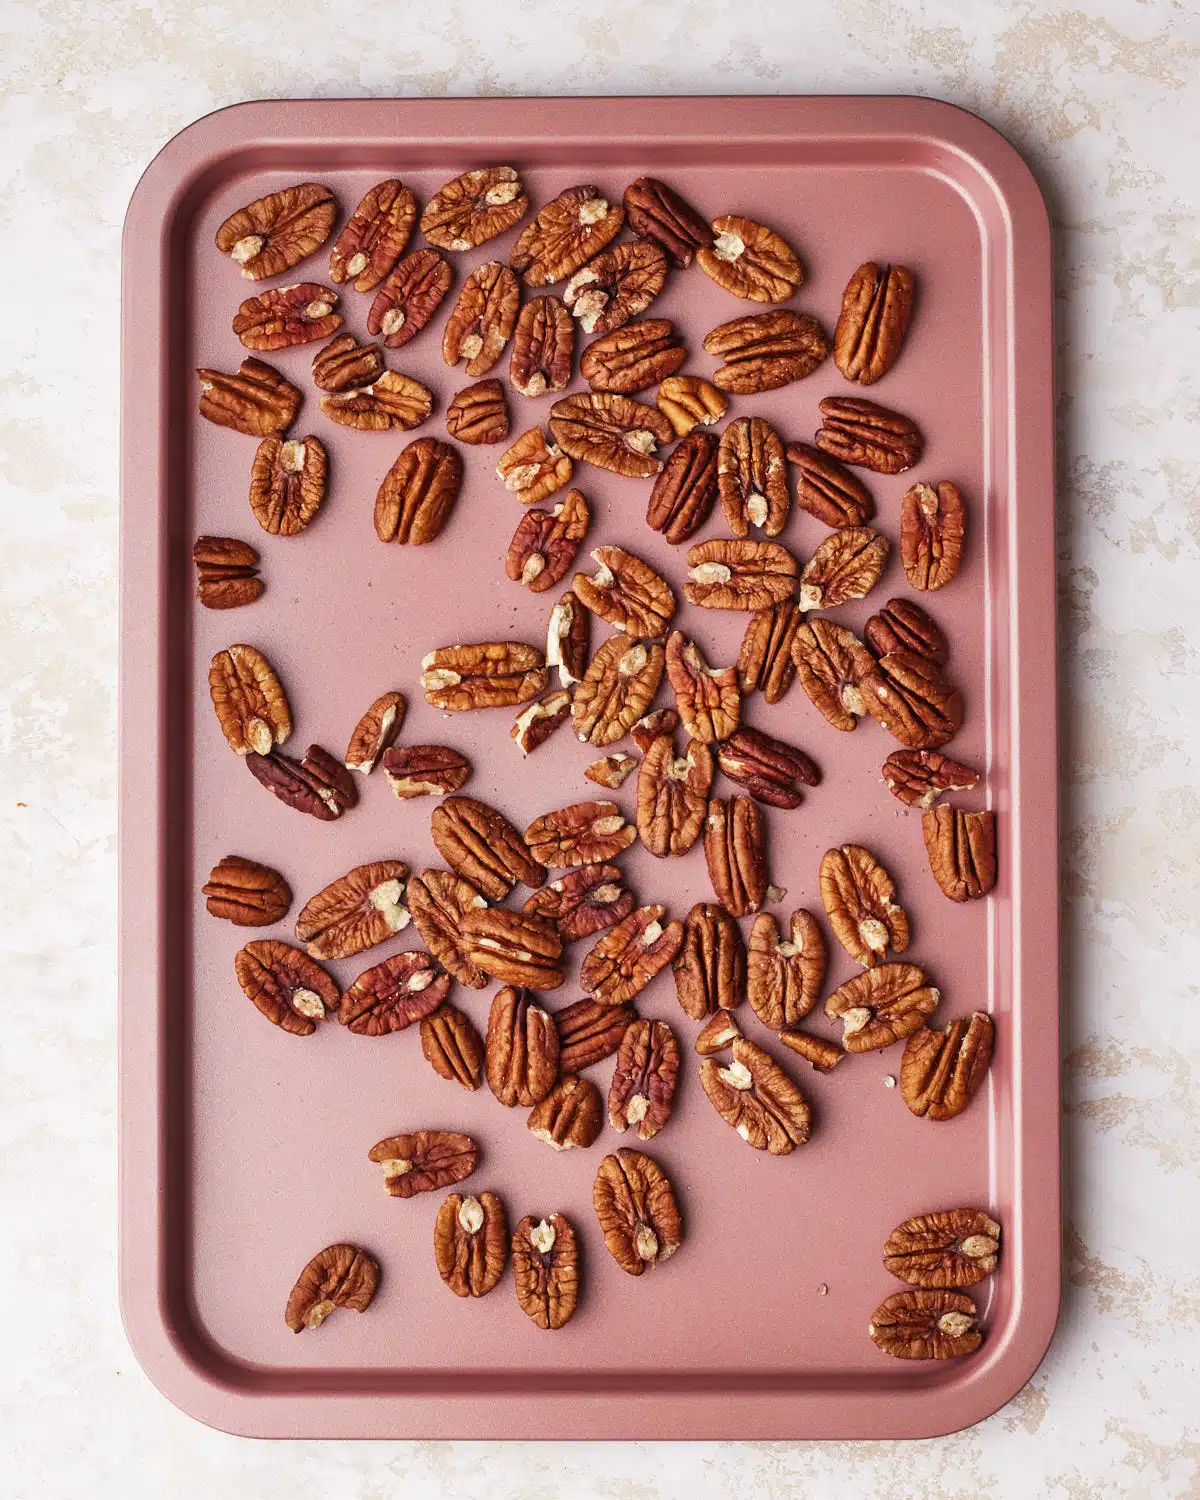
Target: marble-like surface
1095	94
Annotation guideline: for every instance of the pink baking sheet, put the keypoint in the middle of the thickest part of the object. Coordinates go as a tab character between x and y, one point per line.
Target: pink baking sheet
244	1150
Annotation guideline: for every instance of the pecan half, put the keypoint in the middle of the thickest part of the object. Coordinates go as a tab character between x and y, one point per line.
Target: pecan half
732	573
567	231
708	700
847	565
672	796
752	477
275	233
919	777
784	975
482	846
318	785
375	236
932	522
588	1032
571	1115
858	895
764	351
287	483
478	414
255	400
750	260
757	1098
827	489
285	985
424	1161
569	639
533	468
684	493
359	909
688	402
409	297
627	593
226	572
881	1005
482	320
391	400
768	768
534	725
418	493
633	358
452	1046
629	955
765	662
941	1071
583	902
484	674
543	347
513	947
657	212
867	435
470	1243
642	1091
962	850
438	901
249	701
636	1209
474	208
718	1033
911	699
285	316
613	432
546	1269
611	771
658	722
617	688
585	833
339	1276
925	1325
735	838
902	625
425	770
617	285
393	994
710	967
246	893
824	1056
375	731
952	1248
346	365
832	665
521	1051
546	541
876	307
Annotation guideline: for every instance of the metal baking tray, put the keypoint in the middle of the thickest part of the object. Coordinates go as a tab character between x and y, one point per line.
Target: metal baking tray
244	1150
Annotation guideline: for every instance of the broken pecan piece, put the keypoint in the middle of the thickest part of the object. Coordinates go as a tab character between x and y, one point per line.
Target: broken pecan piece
534	725
569	639
485	674
925	1325
827	489
876	307
482	320
546	1269
710	967
611	771
470	1243
868	435
847	565
391	400
919	777
683	495
583	902
636	1209
617	688
275	233
226	572
765	660
941	1071
752	477
318	785
521	1051
784	975
292	991
824	1056
953	1248
533	468
733	573
735	853
438	901
902	625
613	432
633	358
249	701
832	665
546	541
764	351
750	260
657	212
642	1091
571	1115
708	700
287	483
246	893
932	521
962	850
882	1005
255	400
757	1098
658	722
425	770
859	900
513	947
482	846
543	347
452	1046
358	910
588	1032
346	365
478	414
585	833
672	796
688	402
424	1161
627	593
629	955
567	231
718	1033
409	297
418	493
474	208
285	316
393	994
911	699
375	731
768	768
339	1276
616	286
375	236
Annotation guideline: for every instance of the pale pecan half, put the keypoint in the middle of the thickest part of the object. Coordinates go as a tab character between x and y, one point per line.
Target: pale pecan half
569	639
583	902
546	1269
285	316
567	231
629	955
717	1034
484	674
226	572
757	1098
318	785
735	852
613	770
616	690
521	1051
338	1276
546	541
784	975
750	260
375	731
633	358
932	522
688	402
617	285
902	625
438	901
658	722
827	489
513	947
543	347
374	237
418	493
482	320
571	1115
359	909
765	662
941	1071
249	701
393	994
847	565
391	400
876	307
424	1161
478	414
859	901
962	850
585	833
534	725
533	468
764	351
868	435
255	400
470	1243
752	477
588	1032
275	233
952	1248
919	777
287	483
672	796
733	573
911	699
482	846
636	1209
425	770
882	1005
683	495
657	212
710	967
707	698
627	593
409	297
822	1055
768	768
832	665
613	432
246	893
925	1325
346	365
452	1046
285	985
642	1091
473	208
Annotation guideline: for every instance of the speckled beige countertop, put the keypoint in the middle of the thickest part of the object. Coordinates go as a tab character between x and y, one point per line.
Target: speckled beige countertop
1095	95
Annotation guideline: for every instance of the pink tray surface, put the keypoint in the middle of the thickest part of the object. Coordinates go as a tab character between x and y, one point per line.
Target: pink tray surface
243	1150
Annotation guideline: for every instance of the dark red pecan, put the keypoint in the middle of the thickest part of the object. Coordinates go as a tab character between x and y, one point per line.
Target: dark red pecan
393	994
657	212
483	318
642	1091
768	768
589	1032
318	785
827	489
375	236
409	297
902	625
543	347
683	495
284	316
583	902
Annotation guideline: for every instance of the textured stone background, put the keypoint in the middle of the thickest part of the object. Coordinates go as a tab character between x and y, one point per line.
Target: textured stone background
1095	95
